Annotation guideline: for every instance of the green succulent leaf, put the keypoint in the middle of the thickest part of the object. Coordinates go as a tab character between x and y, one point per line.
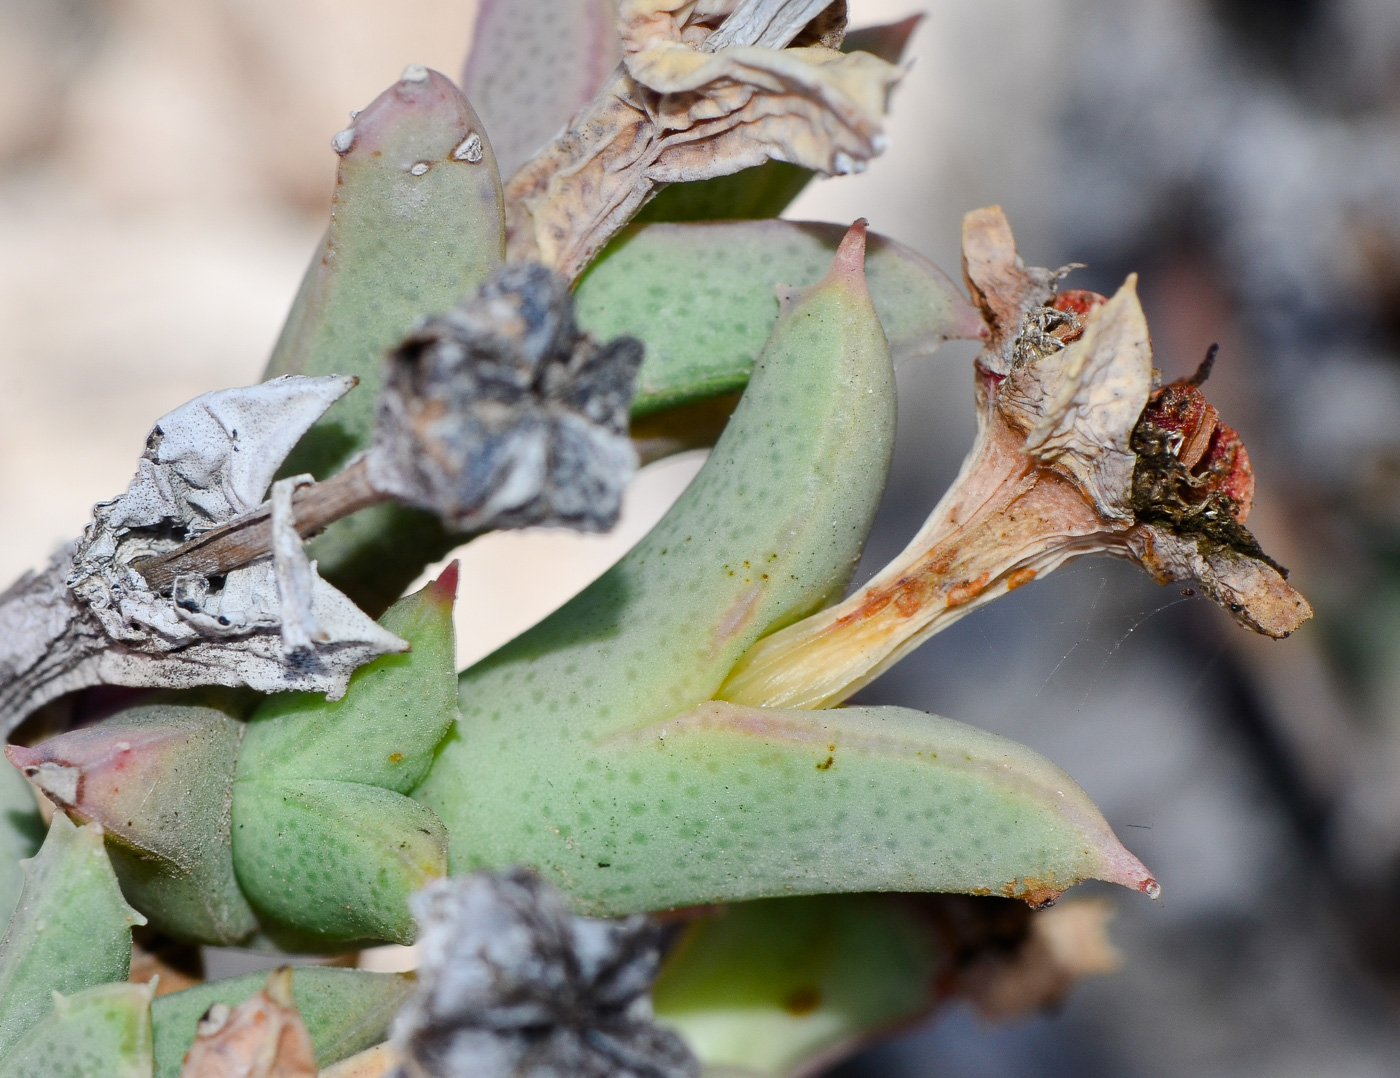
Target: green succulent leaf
770	528
71	929
158	778
102	1032
394	713
21	832
324	840
726	803
766	988
533	64
403	242
336	860
702	297
345	1011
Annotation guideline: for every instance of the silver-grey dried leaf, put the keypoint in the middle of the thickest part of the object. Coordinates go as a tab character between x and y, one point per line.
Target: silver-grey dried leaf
90	618
512	984
502	414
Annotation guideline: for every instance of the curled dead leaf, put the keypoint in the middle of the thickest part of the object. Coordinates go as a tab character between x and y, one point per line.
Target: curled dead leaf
677	110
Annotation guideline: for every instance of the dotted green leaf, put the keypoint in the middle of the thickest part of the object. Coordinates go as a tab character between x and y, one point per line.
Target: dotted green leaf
103	1032
71	929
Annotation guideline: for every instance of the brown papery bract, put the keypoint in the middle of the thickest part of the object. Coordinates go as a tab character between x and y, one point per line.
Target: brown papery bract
676	112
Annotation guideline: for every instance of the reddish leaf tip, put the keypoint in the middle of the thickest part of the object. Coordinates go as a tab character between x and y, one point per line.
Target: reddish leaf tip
22	756
444	588
850	256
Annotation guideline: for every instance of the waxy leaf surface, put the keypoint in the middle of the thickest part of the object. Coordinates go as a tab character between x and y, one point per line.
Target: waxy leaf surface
769	987
770	527
734	803
405	241
394	713
324	840
103	1032
158	778
70	931
702	298
21	831
533	64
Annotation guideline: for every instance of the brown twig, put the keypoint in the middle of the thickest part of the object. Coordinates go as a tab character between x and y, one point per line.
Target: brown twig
247	538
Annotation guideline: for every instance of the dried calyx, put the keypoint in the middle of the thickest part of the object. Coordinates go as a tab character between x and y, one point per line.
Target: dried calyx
499	414
704	90
512	983
1077	452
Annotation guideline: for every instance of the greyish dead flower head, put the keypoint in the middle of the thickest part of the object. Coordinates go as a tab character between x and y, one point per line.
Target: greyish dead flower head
512	985
501	413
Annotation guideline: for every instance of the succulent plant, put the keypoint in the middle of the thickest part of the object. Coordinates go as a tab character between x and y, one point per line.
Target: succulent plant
670	739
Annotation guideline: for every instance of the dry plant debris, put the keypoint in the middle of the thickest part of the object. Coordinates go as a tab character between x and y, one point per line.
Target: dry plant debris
90	617
262	1037
703	90
515	986
498	414
502	414
1077	452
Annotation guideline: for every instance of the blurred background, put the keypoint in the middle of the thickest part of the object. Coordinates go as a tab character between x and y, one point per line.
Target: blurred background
165	171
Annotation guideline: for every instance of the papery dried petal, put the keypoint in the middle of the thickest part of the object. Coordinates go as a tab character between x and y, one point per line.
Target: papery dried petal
677	113
1079	406
1075	454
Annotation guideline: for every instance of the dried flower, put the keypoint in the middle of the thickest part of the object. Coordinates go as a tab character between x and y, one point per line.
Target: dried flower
514	985
1076	453
697	95
91	618
503	414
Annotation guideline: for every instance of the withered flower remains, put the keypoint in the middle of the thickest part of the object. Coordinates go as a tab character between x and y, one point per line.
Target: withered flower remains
703	90
512	985
1076	453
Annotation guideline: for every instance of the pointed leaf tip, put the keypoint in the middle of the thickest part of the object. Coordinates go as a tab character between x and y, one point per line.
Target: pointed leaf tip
444	588
850	256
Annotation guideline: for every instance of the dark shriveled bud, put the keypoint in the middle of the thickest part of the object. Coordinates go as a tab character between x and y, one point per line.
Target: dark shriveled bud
512	984
502	414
